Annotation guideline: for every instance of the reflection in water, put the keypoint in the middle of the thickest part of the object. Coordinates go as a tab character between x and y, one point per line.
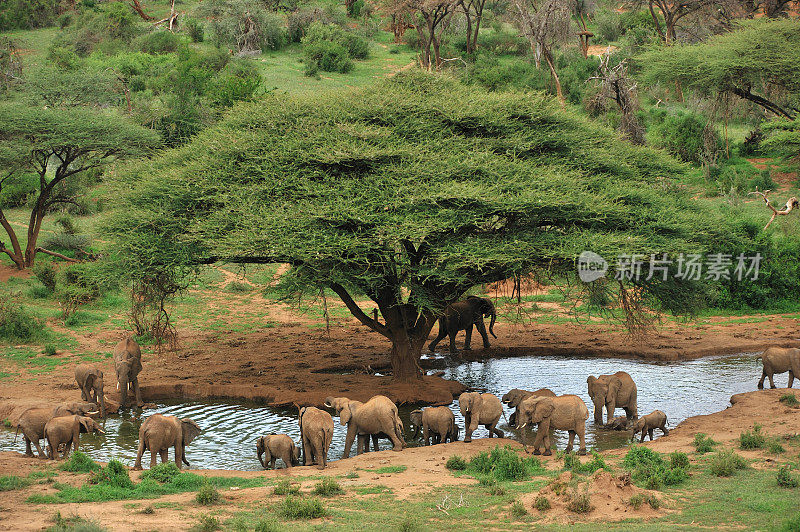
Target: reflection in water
681	389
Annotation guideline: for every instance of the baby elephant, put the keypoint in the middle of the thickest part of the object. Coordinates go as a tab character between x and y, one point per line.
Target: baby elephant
67	430
275	446
437	423
646	424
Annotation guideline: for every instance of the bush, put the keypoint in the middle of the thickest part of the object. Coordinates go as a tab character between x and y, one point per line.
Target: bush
50	349
73	524
609	25
573	463
456	463
703	443
285	487
244	26
18	188
27	14
327	487
237	82
726	463
579	501
503	464
207	523
17	325
752	440
518	509
162	473
299	22
158	42
684	134
792	525
301	508
67	242
786	479
649	468
12	482
790	400
106	28
542	503
330	48
207	495
195	29
636	501
79	462
114	474
267	525
46	273
678	460
775	447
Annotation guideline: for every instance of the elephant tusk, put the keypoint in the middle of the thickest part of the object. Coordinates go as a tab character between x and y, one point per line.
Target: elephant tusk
101	431
328	405
522	426
92	413
117	386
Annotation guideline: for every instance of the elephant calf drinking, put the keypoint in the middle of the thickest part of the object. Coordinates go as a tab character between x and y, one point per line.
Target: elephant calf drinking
780	360
565	412
274	446
437	423
647	424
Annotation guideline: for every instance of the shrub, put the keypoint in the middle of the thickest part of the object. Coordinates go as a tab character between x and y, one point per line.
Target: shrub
703	443
609	25
267	525
649	468
285	487
17	325
752	439
237	82
158	42
67	242
790	399
27	14
684	134
636	501
573	463
792	525
299	22
301	508
46	273
456	463
207	495
13	482
207	523
726	463
114	474
786	479
50	349
244	26
74	523
329	48
79	462
542	503
679	460
101	29
195	29
162	473
518	509
774	447
579	501
327	487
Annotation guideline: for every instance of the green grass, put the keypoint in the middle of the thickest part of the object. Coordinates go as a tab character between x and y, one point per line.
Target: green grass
390	469
13	482
327	487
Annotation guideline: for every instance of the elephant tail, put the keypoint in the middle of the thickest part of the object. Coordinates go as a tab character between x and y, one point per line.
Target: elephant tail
17	434
398	429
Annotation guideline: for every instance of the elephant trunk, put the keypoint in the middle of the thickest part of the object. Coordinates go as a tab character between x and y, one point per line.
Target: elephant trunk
102	404
491	322
598	409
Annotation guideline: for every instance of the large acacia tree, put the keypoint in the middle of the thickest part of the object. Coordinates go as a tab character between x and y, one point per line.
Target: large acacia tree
408	194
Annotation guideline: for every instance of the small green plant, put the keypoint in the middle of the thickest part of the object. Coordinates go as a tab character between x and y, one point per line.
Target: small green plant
79	462
7	423
391	469
50	349
792	525
285	487
725	463
518	510
328	487
73	523
654	502
207	495
754	439
456	463
162	473
636	501
497	491
237	287
774	446
301	508
409	524
351	474
650	469
114	474
790	399
786	479
267	525
542	503
573	463
13	482
148	510
207	523
579	501
703	443
679	460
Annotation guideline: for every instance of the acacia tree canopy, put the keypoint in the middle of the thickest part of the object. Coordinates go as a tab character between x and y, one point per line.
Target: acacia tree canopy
409	193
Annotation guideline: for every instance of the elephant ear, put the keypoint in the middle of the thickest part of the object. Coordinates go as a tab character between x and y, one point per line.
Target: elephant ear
190	431
590	381
345	415
545	408
85	423
260	445
613	387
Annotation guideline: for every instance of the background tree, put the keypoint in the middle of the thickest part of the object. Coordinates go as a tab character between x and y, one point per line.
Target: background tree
473	14
57	144
759	59
431	18
672	11
406	194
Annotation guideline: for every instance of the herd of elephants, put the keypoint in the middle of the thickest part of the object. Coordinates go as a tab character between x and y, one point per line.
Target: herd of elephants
61	425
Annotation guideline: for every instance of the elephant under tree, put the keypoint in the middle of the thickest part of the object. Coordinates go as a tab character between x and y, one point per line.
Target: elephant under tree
377	416
90	381
480	409
462	316
66	430
158	433
128	365
274	446
33	420
779	360
612	392
565	412
437	423
514	397
316	434
647	424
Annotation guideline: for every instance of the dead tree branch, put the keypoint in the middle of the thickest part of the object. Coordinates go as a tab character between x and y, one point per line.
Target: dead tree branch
790	205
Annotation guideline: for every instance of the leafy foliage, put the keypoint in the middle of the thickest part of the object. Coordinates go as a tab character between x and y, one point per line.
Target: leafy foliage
456	463
503	463
301	508
162	473
244	26
650	469
327	487
754	439
27	14
18	325
79	462
330	48
725	463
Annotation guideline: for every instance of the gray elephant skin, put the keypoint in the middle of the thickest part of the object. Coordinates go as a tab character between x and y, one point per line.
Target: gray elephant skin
514	397
647	424
316	434
436	423
565	412
274	446
66	430
33	420
480	409
159	432
779	360
90	381
377	416
128	365
612	392
462	316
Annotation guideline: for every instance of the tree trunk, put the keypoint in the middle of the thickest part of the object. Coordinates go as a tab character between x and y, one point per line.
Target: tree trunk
469	30
405	358
549	58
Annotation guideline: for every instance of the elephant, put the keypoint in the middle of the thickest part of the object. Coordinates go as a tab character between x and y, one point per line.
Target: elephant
33	420
128	364
648	423
461	316
81	409
779	360
316	434
564	412
90	381
66	430
480	409
514	397
377	416
613	391
275	446
437	423
158	433
618	423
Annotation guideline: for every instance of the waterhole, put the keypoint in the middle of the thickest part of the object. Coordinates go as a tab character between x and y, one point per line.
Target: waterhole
681	389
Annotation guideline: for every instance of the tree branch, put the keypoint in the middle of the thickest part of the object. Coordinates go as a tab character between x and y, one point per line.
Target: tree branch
54	254
763	102
790	204
356	311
